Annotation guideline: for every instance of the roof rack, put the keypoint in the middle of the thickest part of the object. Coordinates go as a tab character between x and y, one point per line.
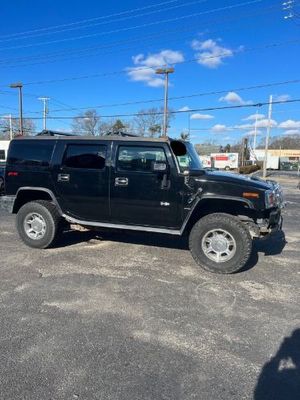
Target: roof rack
120	133
47	132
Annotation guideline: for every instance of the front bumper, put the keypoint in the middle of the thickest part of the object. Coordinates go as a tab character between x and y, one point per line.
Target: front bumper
7	203
272	224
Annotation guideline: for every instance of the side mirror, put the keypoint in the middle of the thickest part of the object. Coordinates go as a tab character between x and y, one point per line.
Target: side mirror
159	167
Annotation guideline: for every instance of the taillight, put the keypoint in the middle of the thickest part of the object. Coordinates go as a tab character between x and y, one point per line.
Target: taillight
12	173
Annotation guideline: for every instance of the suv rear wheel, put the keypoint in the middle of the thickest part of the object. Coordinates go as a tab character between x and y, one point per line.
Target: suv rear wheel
220	243
38	223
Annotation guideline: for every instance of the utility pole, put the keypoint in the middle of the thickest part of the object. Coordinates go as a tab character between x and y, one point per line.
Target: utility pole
18	85
45	110
165	72
268	137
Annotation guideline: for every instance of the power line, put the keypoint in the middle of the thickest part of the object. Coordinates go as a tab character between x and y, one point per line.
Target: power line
126	70
89	19
86	50
216	92
134	27
240	106
185	4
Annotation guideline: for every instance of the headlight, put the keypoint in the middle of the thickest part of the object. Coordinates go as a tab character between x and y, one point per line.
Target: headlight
270	199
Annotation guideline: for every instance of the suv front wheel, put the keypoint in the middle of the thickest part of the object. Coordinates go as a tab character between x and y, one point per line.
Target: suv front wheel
220	243
38	223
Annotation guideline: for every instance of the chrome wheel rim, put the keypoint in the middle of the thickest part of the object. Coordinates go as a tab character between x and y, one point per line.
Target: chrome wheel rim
34	226
218	245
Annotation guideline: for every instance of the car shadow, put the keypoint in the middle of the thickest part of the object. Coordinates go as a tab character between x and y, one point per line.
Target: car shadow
269	246
142	238
280	377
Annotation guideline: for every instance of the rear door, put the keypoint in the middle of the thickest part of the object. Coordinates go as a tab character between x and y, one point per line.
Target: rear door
82	180
138	195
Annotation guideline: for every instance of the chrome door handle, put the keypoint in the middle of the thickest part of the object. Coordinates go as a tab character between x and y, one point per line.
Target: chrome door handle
121	181
63	178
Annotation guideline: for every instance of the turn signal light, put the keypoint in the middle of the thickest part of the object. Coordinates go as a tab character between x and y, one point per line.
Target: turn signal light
251	195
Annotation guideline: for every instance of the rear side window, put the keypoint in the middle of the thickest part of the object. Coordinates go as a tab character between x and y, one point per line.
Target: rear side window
31	153
138	158
85	156
2	154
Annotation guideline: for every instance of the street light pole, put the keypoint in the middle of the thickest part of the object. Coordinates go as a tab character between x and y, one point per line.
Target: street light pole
19	86
165	72
45	111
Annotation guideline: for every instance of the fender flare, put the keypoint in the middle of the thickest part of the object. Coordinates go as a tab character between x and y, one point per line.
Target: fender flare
39	189
213	197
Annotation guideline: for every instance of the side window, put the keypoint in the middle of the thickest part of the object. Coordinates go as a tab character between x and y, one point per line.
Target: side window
138	158
2	154
30	153
85	156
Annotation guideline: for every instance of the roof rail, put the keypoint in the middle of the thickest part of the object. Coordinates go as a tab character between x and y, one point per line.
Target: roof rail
47	132
120	133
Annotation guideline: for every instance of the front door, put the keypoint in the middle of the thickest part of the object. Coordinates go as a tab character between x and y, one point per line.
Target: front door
82	181
140	196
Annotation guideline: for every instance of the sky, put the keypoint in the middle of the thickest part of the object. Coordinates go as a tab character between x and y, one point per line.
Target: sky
95	54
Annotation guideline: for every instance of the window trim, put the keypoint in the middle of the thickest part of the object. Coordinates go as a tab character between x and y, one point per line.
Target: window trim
139	146
64	166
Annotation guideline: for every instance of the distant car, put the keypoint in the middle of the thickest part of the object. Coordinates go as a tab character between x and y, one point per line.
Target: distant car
2	172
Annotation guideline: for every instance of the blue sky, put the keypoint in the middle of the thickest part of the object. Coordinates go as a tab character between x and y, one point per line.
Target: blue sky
230	41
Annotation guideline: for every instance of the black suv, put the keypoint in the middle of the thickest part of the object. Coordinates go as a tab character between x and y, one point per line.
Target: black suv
141	184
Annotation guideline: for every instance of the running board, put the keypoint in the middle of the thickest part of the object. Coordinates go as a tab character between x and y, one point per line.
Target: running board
120	226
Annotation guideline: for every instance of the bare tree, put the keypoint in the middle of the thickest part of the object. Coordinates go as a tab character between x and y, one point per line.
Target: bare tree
113	126
148	122
87	124
29	128
285	142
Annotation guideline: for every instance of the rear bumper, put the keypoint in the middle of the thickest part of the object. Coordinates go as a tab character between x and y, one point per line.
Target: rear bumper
7	203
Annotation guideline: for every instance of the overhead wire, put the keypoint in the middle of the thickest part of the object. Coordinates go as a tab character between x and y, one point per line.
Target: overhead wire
166	32
171	98
185	4
126	70
90	19
128	28
239	106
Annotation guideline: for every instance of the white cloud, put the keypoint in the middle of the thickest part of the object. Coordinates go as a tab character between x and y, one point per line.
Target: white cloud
185	108
264	123
253	117
209	53
252	132
290	124
201	116
243	126
234	98
219	128
146	66
292	132
282	97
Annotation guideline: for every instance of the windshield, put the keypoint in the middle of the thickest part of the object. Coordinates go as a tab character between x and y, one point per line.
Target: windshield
190	160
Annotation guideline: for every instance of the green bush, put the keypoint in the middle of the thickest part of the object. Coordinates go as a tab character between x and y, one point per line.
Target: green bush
248	169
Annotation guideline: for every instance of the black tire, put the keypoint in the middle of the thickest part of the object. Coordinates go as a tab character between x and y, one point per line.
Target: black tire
52	220
230	224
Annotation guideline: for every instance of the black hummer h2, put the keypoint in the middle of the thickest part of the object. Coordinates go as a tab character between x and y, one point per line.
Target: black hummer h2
141	184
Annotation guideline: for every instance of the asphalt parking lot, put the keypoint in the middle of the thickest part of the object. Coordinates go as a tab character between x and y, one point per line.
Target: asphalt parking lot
130	316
